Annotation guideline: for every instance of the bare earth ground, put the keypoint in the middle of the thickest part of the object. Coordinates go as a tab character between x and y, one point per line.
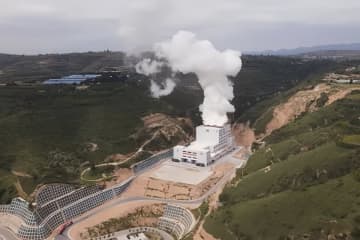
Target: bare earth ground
146	185
119	176
145	216
244	135
10	221
117	211
305	101
201	233
117	157
149	186
181	173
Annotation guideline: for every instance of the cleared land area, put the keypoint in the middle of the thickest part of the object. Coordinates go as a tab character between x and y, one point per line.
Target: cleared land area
157	184
133	197
182	173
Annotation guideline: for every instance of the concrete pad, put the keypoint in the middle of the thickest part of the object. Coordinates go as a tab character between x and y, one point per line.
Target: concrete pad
182	173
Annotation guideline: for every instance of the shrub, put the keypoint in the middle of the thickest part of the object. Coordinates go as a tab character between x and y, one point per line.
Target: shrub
322	100
356	174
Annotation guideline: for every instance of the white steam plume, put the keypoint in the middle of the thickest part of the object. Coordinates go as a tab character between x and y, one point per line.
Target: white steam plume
148	66
157	91
186	54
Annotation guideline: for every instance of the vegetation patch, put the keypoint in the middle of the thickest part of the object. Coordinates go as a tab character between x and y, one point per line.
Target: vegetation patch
317	211
99	173
142	216
352	140
300	184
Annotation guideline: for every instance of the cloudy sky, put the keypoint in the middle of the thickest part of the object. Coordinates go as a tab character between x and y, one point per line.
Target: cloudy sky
42	26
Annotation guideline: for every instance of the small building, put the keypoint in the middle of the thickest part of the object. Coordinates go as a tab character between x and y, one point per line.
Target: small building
212	142
72	79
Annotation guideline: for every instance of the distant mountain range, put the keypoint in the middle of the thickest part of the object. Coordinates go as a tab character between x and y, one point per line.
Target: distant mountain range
303	50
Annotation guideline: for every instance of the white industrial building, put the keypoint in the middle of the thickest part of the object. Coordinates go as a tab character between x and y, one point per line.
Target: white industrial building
212	142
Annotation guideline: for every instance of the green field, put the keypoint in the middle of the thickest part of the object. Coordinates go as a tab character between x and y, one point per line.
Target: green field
309	186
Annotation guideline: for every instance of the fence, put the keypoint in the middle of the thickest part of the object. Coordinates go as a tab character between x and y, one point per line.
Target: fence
149	162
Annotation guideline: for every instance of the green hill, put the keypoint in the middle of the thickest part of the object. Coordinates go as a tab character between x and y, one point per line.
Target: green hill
32	68
303	183
44	130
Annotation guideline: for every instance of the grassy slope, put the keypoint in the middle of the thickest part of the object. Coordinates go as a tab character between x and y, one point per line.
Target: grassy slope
43	129
309	184
290	212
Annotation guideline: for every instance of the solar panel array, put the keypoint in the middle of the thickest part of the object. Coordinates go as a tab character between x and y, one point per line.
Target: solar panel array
72	79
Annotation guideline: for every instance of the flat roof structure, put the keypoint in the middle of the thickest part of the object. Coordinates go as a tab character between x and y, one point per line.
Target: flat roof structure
182	173
212	142
72	79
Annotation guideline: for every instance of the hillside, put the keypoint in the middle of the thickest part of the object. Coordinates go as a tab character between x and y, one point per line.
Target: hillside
301	184
46	131
32	68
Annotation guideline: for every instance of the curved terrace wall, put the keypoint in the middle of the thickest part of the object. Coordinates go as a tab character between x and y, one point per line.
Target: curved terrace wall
37	226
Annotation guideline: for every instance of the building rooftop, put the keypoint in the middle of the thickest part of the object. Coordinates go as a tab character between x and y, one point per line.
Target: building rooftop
198	146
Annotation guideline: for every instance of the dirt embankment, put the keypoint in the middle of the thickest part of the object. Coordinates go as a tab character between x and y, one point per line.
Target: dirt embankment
244	135
161	131
306	101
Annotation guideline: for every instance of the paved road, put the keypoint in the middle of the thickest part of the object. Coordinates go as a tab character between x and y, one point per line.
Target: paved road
6	234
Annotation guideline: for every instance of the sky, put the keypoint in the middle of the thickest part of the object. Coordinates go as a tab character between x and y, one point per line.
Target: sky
57	26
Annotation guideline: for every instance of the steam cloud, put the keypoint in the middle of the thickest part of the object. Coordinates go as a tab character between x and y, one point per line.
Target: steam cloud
186	54
157	91
148	66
